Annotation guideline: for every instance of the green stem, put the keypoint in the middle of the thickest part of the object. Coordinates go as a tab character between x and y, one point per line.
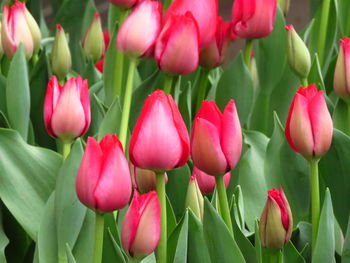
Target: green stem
247	50
348	126
224	208
99	238
315	200
323	30
202	87
304	82
162	246
272	256
168	83
65	149
127	103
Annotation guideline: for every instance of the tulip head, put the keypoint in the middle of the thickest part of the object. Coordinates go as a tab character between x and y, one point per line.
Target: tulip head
214	54
276	222
138	34
34	29
207	182
172	55
341	81
93	42
61	60
103	181
309	126
284	5
160	140
194	198
298	54
124	4
253	18
140	233
67	109
216	140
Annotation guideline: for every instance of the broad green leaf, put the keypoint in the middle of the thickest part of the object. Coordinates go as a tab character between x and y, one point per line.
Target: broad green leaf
338	237
118	254
221	245
111	121
17	93
257	241
3	107
237	207
291	254
177	242
185	105
28	176
302	239
315	75
69	253
341	116
170	217
3	240
344	22
4	123
149	259
345	257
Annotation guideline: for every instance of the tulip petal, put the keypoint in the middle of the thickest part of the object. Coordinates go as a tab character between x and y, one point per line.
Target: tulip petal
85	102
275	232
209	111
286	204
51	98
207	182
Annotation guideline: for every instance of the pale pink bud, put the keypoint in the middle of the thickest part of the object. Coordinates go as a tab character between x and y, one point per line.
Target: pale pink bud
207	182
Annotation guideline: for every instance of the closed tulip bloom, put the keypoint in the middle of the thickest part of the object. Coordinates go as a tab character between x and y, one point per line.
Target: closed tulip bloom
160	140
194	199
177	48
93	42
67	109
309	126
342	70
15	30
276	222
216	140
203	11
138	34
253	18
206	182
61	59
141	226
103	180
124	3
214	55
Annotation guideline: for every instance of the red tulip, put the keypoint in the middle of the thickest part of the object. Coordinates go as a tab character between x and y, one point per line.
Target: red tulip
206	182
253	18
216	141
138	34
342	70
103	181
124	3
309	126
204	12
177	48
214	55
141	226
67	108
160	139
276	221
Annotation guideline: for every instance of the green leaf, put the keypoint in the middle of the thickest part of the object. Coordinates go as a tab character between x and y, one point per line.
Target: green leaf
325	244
3	240
28	176
171	220
257	241
291	254
17	93
70	256
111	121
236	83
185	105
315	75
302	239
345	257
344	24
341	116
237	207
221	245
177	242
118	254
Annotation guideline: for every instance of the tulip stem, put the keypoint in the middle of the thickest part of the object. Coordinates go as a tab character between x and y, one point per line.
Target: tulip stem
315	200
304	82
168	83
65	150
323	30
272	256
202	87
99	228
224	208
247	50
124	124
162	245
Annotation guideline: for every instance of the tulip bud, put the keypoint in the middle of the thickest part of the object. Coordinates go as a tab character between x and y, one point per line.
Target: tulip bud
140	233
15	30
309	126
61	60
298	54
124	4
106	38
138	34
276	221
93	42
103	179
204	13
144	180
160	140
253	69
171	54
67	109
216	140
341	80
34	29
214	55
207	182
194	198
284	5
253	18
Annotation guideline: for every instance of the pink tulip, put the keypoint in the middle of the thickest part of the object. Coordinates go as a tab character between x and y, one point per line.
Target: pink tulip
309	126
160	139
124	3
214	55
138	34
103	181
203	11
141	226
342	70
216	141
253	18
67	109
177	48
206	182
